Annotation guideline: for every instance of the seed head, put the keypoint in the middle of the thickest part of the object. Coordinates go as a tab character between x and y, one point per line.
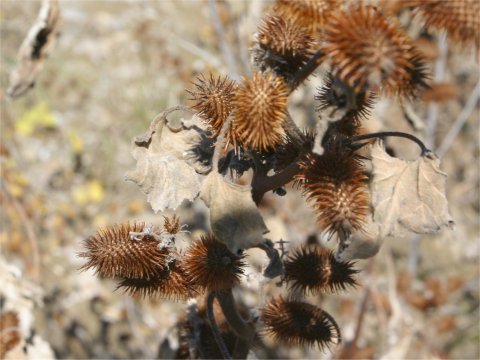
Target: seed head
369	51
170	283
336	184
336	95
112	252
283	46
210	265
298	323
172	224
459	18
312	269
213	100
260	109
311	14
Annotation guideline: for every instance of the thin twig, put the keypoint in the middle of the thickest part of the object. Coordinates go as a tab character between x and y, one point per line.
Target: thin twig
459	122
29	230
381	134
214	327
196	50
414	256
349	348
224	45
439	75
293	132
220	144
241	45
306	70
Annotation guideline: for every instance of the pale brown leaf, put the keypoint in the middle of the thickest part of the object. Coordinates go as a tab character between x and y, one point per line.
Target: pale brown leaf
362	244
162	171
234	217
408	196
35	48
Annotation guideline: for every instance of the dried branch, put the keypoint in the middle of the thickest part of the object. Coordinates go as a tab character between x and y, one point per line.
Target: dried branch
459	121
29	230
243	329
214	327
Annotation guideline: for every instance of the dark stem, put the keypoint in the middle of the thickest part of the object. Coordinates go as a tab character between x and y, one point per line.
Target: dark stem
263	183
243	329
382	134
306	70
215	329
293	132
220	144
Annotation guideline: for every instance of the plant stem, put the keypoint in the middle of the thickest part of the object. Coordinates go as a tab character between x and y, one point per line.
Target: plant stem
35	269
224	45
220	144
306	70
460	121
293	132
381	134
243	329
262	184
215	329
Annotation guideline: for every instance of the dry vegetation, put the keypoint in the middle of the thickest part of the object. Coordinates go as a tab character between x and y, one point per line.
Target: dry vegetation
66	146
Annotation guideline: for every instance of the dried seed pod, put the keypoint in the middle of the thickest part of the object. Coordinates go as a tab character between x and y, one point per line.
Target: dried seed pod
170	283
209	264
311	14
369	51
459	18
282	46
112	252
336	183
260	110
172	224
299	323
338	96
312	269
213	100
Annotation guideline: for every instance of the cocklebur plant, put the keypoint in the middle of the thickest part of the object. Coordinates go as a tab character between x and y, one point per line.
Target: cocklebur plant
360	194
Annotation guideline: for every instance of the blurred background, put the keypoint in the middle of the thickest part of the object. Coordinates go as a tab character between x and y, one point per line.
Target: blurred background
65	147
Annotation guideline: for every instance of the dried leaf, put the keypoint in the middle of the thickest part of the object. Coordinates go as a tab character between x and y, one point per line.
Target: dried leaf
362	244
35	48
234	217
408	196
162	171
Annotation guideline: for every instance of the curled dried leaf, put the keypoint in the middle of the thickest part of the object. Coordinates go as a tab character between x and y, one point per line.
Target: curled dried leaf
162	170
234	217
